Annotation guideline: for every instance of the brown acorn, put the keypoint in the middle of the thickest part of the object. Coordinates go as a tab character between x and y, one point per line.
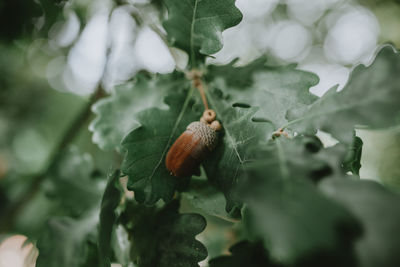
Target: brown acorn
192	147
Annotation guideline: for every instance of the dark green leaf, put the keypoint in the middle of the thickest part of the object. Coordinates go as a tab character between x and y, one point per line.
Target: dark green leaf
224	167
352	161
196	26
146	148
379	211
109	202
370	98
280	195
164	238
116	115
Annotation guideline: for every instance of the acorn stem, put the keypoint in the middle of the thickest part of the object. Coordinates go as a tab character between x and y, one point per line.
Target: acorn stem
200	87
195	76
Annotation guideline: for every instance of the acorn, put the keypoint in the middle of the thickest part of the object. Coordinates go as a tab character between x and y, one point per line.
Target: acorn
192	147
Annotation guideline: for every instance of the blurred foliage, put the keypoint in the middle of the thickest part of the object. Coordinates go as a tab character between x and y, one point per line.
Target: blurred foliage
378	211
66	242
30	131
292	166
71	188
26	122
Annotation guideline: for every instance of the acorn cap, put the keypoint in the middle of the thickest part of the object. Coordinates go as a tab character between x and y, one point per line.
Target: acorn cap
207	135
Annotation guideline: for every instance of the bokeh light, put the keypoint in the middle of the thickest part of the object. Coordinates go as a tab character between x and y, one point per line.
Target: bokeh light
353	37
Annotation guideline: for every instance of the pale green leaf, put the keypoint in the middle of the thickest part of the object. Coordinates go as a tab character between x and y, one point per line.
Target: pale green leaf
116	115
371	98
274	89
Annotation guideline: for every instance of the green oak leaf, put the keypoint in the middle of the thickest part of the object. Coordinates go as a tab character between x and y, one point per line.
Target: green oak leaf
224	167
246	254
274	89
147	146
164	237
287	212
371	98
196	26
65	242
116	115
108	217
379	211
